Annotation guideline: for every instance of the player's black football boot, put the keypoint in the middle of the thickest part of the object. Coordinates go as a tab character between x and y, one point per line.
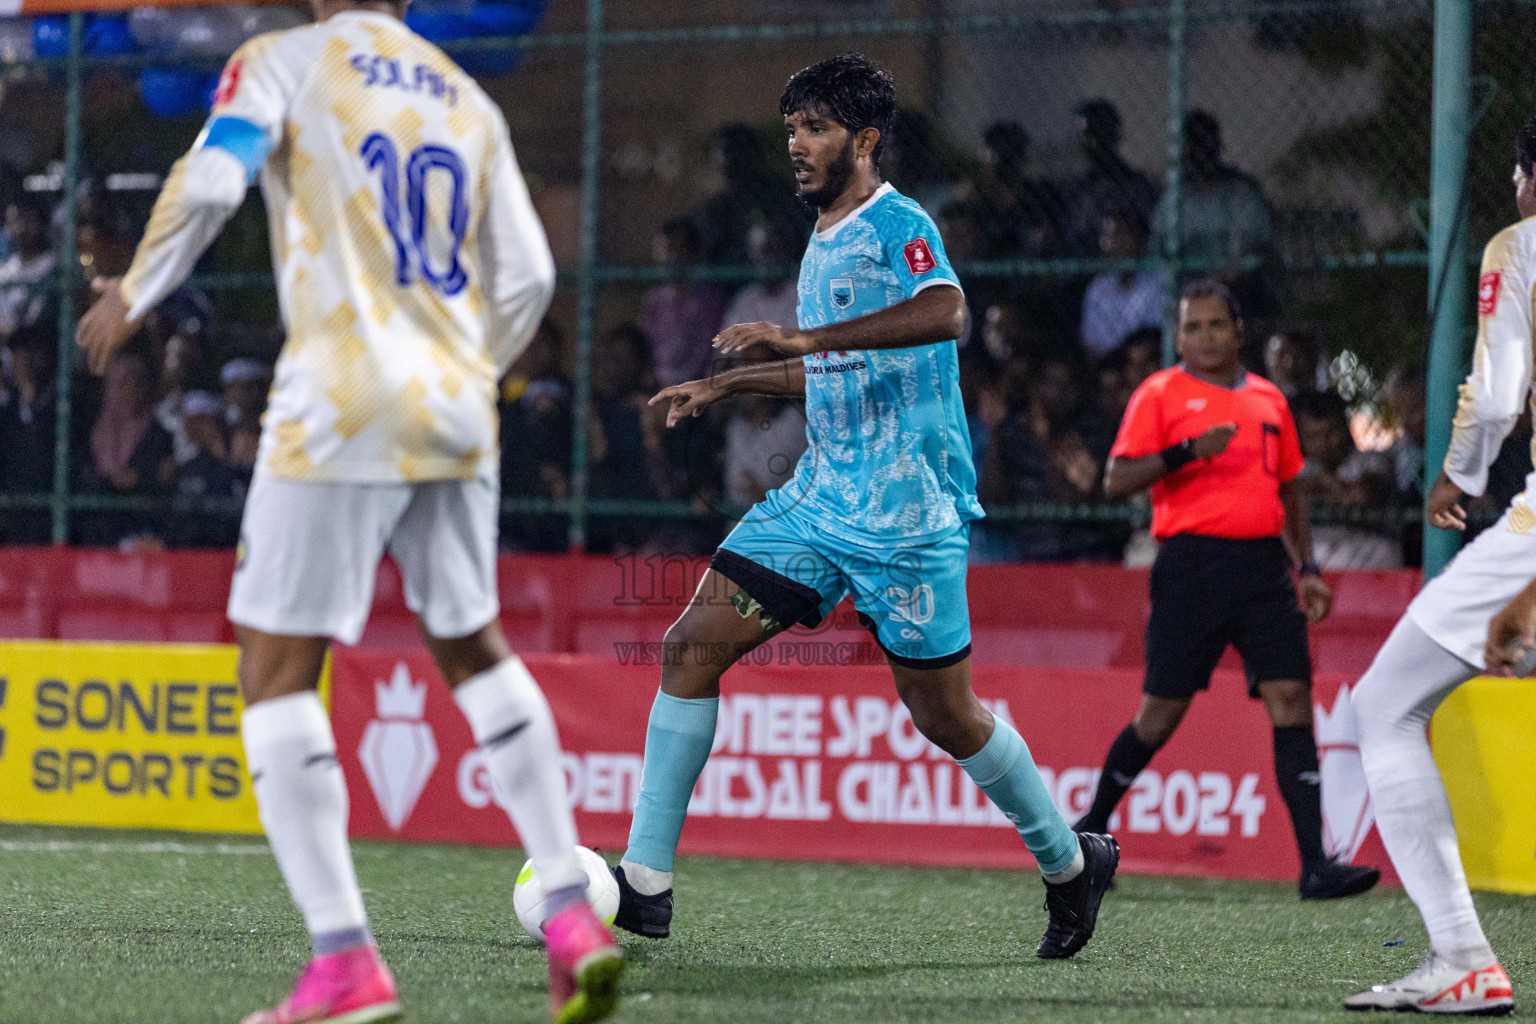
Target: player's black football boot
1333	880
650	916
1074	905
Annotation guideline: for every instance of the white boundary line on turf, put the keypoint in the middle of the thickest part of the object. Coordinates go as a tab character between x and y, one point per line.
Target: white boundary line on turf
80	846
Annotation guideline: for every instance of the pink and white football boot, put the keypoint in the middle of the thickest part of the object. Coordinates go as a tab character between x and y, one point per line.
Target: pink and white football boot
353	987
1442	987
584	966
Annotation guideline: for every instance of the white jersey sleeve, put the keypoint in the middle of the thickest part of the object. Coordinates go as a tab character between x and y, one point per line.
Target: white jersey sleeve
1499	385
208	184
516	267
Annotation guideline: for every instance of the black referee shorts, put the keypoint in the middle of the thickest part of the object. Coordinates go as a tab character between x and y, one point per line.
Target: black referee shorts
1208	592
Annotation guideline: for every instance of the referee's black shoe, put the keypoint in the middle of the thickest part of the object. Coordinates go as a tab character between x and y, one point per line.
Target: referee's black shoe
1074	905
650	916
1334	880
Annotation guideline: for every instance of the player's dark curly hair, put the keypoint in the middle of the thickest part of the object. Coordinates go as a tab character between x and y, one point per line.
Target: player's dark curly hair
851	90
1525	147
1210	288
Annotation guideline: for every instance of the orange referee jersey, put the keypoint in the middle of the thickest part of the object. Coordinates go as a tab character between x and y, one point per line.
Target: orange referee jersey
1237	493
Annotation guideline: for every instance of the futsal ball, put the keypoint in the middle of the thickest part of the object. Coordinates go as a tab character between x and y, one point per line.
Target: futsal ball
528	895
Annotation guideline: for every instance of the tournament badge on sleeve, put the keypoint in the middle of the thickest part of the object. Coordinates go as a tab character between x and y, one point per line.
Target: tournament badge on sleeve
919	257
1488	292
398	751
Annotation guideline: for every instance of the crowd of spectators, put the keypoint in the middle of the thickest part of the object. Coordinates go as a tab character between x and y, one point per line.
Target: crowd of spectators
1048	363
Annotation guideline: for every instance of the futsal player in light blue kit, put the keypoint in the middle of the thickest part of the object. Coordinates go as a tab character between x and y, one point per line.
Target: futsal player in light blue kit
879	506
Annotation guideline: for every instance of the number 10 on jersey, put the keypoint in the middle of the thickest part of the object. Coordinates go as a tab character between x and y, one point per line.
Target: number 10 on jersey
407	224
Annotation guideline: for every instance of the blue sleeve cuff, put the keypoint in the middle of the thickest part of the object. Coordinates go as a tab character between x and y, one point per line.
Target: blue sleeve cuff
245	141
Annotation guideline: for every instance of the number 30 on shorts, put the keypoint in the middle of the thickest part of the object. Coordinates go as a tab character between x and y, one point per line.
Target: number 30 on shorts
914	606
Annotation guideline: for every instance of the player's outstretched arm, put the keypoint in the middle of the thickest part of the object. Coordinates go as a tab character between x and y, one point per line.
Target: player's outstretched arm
1512	634
785	377
201	193
932	315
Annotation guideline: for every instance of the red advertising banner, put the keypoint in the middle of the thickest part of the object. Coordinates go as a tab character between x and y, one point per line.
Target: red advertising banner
824	764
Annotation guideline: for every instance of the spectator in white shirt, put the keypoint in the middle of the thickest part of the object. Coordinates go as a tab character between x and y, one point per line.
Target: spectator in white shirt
1118	304
764	440
1339	475
774	251
32	261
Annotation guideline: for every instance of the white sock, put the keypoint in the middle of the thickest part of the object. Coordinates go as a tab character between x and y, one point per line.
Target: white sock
511	722
1393	704
1069	872
645	881
302	800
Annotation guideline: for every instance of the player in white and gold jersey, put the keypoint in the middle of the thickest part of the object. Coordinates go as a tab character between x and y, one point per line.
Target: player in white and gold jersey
1444	639
411	271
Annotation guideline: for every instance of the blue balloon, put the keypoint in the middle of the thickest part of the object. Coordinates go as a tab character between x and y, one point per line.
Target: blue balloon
439	26
448	22
50	36
507	19
107	35
171	93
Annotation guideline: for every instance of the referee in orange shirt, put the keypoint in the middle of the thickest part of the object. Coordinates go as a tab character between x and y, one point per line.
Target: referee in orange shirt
1218	448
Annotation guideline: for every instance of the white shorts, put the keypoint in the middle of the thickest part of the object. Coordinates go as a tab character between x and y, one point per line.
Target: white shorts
1454	609
309	552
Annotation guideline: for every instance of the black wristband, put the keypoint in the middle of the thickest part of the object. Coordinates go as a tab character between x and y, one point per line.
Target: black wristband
1310	569
1176	457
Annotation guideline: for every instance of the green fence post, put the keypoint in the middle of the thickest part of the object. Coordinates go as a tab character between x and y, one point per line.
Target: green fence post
586	296
1173	186
1451	122
66	276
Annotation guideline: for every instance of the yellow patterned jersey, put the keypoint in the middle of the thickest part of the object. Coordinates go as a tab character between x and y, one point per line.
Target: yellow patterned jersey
411	267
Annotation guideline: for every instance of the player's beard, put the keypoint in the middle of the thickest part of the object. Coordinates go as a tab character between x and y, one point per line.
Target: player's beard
838	177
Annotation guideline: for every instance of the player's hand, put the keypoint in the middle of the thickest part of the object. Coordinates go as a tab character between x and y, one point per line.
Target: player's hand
1215	440
1316	598
690	398
102	331
1512	634
786	341
1441	509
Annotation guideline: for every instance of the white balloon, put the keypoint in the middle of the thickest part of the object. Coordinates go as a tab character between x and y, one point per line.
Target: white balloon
153	28
255	19
15	39
207	32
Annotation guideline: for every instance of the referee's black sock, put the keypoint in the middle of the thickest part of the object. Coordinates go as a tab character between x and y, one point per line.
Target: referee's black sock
1128	755
1301	786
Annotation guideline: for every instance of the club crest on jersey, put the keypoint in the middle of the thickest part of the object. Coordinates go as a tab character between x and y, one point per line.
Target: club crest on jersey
842	292
919	257
1488	292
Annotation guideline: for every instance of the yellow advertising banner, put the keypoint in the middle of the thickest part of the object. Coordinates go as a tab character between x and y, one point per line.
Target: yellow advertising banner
1484	738
125	735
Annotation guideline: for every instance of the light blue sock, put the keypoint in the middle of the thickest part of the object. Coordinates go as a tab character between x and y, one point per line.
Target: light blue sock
1006	772
677	743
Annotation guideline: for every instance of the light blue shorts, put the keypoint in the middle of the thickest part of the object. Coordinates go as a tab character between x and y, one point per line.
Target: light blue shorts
794	573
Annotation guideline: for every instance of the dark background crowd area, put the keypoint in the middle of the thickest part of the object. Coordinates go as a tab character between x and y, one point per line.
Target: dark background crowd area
1048	363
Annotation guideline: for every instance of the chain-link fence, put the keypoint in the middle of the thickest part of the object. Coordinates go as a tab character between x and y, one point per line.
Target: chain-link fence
1081	162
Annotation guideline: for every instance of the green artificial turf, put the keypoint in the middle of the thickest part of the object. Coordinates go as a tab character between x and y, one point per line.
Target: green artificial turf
107	926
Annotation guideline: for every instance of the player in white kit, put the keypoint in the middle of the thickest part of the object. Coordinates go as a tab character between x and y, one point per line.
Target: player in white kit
1441	642
411	271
